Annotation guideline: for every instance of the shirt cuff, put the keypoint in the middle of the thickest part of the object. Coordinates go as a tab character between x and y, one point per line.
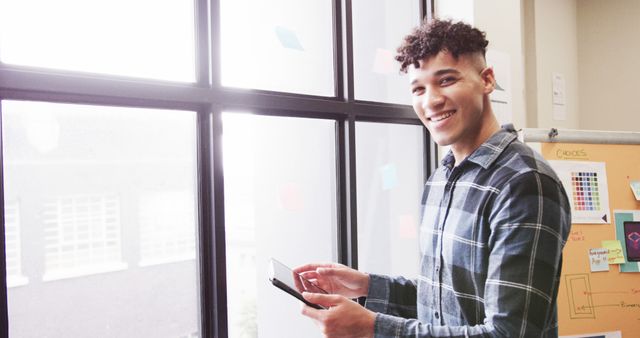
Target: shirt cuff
378	295
387	326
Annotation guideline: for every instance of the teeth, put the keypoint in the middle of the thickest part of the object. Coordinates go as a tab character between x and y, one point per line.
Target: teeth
441	117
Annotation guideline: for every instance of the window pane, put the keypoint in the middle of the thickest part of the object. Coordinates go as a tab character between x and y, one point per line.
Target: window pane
378	29
389	162
280	202
101	221
280	45
138	38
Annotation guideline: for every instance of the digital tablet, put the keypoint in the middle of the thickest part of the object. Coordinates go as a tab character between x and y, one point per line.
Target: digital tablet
292	283
632	240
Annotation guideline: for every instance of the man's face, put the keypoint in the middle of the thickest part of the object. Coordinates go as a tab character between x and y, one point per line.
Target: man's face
448	97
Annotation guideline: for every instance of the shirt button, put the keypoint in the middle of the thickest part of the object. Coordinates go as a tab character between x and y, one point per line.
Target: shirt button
437	269
437	315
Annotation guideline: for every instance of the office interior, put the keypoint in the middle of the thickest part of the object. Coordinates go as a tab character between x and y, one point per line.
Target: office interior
156	154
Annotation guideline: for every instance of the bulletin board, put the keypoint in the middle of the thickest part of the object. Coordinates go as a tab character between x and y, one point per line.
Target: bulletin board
590	303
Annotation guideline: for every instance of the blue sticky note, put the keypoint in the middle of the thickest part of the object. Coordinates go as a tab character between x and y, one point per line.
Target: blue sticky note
288	38
389	176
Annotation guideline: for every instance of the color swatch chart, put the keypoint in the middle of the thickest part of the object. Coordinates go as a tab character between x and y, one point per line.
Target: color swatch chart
586	195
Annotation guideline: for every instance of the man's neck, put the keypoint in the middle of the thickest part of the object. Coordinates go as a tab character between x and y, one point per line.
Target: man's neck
489	127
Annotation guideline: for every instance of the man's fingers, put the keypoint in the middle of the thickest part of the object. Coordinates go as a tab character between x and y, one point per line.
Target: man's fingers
309	274
312	313
322	299
335	272
310	267
315	266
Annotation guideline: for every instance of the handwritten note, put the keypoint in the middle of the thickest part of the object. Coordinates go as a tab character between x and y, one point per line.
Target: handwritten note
598	259
576	236
615	251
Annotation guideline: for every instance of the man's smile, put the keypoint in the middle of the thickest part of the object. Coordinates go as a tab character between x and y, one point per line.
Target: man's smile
441	117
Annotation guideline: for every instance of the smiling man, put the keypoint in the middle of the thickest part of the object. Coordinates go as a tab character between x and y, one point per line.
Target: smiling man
495	216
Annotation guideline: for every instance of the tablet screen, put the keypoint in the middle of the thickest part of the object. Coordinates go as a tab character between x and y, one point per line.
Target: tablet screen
632	240
293	280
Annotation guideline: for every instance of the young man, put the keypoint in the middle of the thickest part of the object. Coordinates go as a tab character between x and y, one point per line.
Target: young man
495	216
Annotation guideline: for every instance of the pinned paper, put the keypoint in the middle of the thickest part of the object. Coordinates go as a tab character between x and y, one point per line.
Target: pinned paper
598	259
559	97
501	98
288	38
389	176
635	187
586	184
615	251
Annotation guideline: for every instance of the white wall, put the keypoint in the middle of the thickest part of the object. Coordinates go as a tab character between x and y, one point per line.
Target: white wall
552	47
592	43
608	50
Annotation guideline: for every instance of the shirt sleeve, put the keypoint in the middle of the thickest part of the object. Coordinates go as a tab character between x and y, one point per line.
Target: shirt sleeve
530	221
394	296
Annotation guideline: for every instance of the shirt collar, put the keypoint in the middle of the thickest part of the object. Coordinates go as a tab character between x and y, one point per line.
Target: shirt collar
489	151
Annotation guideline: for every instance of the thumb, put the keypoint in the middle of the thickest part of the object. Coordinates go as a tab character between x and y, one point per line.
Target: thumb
322	299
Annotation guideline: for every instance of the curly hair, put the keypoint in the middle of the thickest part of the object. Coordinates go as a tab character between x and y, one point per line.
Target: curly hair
431	37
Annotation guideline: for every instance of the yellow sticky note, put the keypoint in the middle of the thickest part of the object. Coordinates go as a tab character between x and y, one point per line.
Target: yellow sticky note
615	251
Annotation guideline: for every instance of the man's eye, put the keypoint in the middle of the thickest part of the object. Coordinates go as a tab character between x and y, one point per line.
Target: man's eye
417	90
447	81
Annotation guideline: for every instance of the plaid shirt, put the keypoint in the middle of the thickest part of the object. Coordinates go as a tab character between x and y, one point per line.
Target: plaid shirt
491	239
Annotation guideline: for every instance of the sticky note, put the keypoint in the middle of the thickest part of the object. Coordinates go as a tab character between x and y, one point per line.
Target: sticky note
389	176
615	251
598	259
408	227
383	62
288	38
290	197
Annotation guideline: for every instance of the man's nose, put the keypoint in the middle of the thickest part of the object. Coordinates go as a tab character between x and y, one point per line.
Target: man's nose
434	99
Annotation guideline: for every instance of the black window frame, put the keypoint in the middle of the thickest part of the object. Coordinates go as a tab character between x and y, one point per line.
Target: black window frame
209	99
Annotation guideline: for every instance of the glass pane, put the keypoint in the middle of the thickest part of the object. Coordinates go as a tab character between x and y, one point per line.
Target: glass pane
389	167
280	201
101	221
378	29
279	45
138	38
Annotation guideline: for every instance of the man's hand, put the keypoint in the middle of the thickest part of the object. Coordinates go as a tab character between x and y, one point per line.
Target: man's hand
344	318
336	279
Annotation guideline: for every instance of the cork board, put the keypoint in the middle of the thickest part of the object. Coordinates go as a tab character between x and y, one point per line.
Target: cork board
591	302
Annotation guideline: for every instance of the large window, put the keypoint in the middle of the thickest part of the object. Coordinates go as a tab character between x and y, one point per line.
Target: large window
156	154
279	45
139	38
378	28
13	244
275	207
82	235
84	175
390	177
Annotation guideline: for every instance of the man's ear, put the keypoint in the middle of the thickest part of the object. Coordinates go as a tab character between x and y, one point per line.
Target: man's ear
488	79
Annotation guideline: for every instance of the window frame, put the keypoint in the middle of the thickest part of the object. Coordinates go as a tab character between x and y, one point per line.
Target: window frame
209	99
